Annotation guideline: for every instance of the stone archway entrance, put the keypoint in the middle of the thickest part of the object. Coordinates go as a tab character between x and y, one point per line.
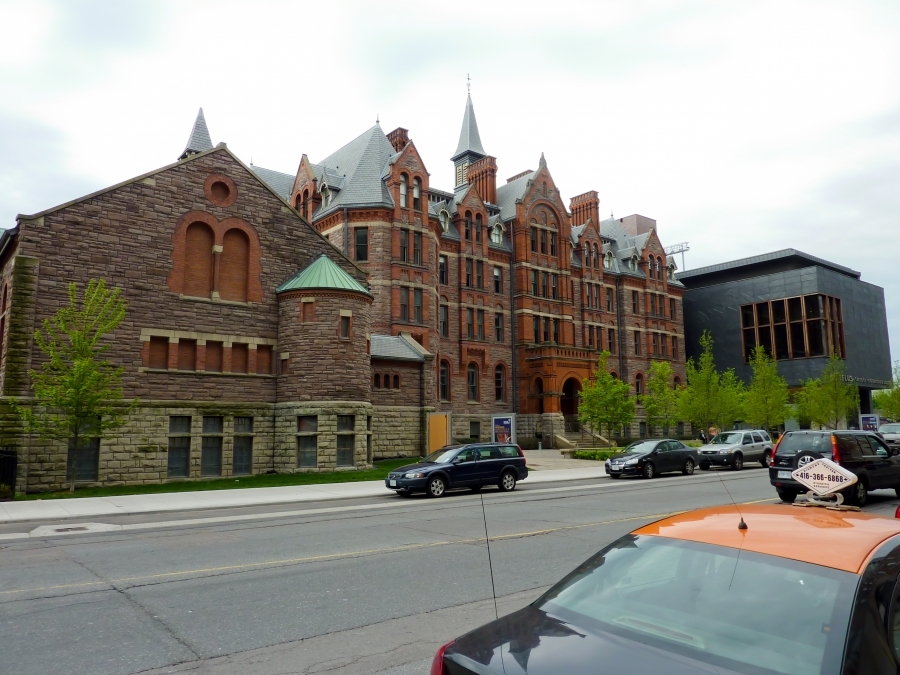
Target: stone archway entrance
569	403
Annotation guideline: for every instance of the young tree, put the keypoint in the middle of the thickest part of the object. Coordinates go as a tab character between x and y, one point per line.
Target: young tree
78	394
710	398
606	401
661	400
888	400
767	395
827	400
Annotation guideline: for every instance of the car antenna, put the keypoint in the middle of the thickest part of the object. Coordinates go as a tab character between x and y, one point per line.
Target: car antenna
487	541
741	525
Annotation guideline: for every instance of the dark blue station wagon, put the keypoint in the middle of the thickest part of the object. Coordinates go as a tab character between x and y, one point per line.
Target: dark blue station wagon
470	466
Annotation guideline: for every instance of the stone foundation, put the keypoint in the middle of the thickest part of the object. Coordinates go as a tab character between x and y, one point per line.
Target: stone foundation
401	431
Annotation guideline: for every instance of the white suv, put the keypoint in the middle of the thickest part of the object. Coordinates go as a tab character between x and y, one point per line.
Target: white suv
891	435
734	448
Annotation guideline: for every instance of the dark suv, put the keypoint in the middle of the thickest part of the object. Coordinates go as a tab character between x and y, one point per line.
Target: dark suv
862	452
472	466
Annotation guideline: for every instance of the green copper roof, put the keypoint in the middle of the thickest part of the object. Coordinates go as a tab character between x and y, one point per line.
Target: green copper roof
322	273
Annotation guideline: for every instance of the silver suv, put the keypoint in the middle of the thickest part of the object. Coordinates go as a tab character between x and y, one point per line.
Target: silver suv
891	435
734	448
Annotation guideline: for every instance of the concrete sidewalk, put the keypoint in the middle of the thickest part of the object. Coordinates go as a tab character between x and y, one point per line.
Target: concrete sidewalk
54	509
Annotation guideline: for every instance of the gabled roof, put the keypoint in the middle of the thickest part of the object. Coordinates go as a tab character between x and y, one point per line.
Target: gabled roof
199	140
282	183
469	139
322	273
393	347
360	164
509	193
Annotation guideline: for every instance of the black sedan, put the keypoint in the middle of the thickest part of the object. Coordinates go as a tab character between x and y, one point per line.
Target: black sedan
470	466
649	458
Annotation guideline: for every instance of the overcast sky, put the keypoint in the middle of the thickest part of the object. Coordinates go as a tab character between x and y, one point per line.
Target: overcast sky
740	127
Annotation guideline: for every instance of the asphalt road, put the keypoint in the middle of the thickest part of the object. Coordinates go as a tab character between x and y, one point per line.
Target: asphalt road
365	586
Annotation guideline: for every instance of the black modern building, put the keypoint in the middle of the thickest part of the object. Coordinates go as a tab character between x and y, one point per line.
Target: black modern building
797	306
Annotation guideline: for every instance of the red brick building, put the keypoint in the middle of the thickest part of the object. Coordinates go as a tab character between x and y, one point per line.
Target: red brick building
310	322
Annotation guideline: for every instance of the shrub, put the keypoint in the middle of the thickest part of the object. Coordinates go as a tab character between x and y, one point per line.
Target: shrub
597	455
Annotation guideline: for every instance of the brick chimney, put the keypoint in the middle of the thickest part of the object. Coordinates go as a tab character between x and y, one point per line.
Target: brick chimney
483	175
399	137
585	207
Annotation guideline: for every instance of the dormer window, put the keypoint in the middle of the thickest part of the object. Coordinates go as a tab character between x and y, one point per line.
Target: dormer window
444	217
403	187
497	234
326	195
671	271
608	261
633	264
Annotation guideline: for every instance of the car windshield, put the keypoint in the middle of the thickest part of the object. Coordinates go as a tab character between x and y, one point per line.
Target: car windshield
727	438
642	446
442	456
889	429
747	612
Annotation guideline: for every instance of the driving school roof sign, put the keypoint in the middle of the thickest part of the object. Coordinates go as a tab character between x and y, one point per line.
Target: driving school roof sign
824	477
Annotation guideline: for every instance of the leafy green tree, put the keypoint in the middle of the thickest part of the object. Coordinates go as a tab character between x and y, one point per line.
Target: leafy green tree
606	402
767	396
78	394
710	398
660	400
888	400
828	400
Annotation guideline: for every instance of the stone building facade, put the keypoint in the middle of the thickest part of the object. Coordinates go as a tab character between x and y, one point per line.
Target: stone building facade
310	322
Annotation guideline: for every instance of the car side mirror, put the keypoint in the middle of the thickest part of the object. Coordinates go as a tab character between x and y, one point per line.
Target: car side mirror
457	460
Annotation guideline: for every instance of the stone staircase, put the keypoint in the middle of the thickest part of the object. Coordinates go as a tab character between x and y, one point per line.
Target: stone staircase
582	439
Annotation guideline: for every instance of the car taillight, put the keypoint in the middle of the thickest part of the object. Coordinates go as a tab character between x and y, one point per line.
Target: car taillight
775	449
835	453
521	454
897	512
437	666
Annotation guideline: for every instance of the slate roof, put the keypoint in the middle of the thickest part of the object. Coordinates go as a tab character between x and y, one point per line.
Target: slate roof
282	183
509	193
469	139
360	164
393	347
199	140
322	273
769	257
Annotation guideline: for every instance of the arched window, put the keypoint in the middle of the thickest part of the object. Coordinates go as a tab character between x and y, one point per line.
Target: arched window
468	225
387	381
198	260
472	381
587	255
396	381
377	383
417	194
596	257
676	383
478	227
499	383
497	234
609	259
639	384
444	381
234	264
614	375
304	205
444	217
403	186
659	269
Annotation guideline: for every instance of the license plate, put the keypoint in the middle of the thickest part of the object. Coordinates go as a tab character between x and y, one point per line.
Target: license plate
784	474
393	483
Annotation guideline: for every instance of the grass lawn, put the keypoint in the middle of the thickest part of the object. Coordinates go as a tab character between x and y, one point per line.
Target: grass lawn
380	471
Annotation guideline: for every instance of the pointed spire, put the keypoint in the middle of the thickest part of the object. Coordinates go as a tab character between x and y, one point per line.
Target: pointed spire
469	140
199	140
542	163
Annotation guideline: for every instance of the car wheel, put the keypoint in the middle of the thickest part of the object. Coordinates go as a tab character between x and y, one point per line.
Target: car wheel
618	475
737	462
688	468
805	457
507	482
766	460
649	470
436	487
404	493
787	496
704	466
859	494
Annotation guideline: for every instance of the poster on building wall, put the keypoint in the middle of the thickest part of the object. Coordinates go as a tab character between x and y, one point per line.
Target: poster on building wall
868	422
503	428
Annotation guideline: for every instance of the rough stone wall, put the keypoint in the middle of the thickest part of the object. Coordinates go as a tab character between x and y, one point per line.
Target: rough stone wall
125	235
287	432
398	431
324	366
21	274
410	391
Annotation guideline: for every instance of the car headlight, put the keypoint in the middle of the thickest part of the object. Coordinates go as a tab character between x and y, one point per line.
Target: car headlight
726	451
414	475
631	462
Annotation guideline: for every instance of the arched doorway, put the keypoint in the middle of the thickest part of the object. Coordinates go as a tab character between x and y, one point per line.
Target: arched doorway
569	403
539	393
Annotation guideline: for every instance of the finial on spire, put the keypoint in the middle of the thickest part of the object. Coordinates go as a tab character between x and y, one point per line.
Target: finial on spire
543	163
468	84
377	120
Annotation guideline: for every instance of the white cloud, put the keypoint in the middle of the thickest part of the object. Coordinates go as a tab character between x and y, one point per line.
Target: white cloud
732	124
